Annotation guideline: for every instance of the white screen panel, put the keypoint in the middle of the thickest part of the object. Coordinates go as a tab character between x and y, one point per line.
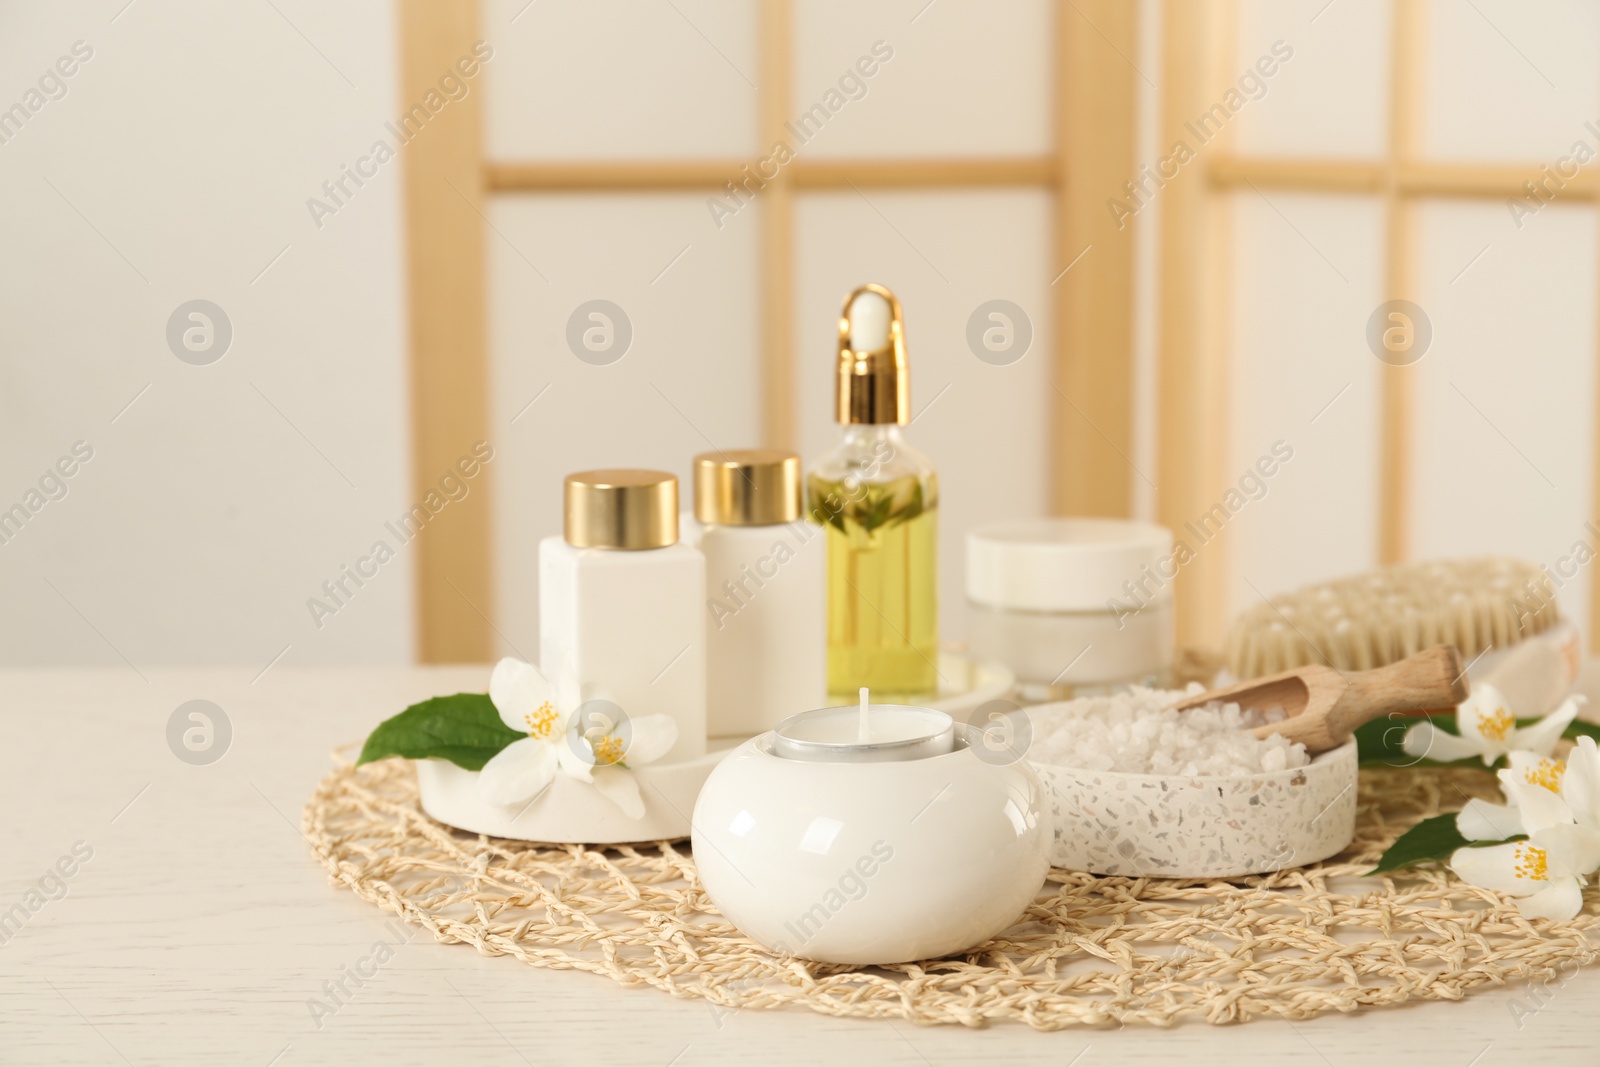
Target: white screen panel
618	79
1309	274
687	382
1331	96
220	498
985	426
1511	80
962	77
1506	395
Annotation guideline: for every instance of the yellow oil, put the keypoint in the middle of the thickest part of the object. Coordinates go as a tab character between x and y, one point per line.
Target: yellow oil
883	608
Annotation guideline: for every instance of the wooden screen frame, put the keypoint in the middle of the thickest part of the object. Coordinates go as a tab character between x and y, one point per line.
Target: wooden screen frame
1096	99
1196	241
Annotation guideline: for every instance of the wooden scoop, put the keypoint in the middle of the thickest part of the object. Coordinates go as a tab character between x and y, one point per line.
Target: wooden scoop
1325	705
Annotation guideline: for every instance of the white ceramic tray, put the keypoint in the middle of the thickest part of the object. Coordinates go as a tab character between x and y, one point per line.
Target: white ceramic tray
569	810
572	811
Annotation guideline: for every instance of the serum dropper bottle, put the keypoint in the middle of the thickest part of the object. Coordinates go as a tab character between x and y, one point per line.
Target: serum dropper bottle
877	500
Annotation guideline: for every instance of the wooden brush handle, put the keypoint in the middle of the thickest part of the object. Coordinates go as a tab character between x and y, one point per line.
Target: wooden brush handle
1433	678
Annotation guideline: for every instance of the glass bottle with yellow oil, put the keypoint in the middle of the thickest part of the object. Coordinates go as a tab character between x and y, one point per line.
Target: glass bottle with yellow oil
877	499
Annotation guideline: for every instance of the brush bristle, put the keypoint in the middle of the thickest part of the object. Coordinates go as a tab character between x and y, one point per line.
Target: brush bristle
1374	619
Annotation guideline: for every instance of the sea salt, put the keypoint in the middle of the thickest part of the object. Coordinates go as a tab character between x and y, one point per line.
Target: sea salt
1134	731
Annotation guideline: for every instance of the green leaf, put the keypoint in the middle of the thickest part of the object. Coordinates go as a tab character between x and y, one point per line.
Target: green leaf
464	729
875	511
1430	840
1378	741
822	513
1577	729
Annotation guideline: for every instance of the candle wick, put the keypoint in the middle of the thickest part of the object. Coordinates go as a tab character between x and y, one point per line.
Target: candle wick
864	729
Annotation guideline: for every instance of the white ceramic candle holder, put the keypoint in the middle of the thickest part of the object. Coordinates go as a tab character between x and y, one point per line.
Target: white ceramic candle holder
847	857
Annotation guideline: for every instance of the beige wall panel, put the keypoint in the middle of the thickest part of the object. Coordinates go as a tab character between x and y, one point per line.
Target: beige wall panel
967	77
1330	99
687	382
1510	80
618	79
1505	397
1303	375
206	518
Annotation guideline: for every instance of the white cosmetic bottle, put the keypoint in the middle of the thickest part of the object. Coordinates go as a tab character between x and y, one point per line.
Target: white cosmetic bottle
765	594
622	603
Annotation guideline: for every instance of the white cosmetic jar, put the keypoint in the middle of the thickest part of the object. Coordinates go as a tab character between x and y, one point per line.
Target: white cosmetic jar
895	858
1073	605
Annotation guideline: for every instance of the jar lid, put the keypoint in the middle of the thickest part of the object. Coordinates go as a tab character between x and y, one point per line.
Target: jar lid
627	509
747	487
1075	564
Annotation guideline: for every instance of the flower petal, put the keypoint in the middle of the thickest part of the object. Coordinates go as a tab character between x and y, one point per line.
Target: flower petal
1496	867
517	773
1541	737
651	737
1483	821
575	756
1561	900
1526	764
1427	741
1485	719
1571	851
1580	785
1540	808
619	786
517	690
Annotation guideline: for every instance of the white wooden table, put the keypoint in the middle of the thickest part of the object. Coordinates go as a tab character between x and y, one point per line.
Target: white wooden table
202	926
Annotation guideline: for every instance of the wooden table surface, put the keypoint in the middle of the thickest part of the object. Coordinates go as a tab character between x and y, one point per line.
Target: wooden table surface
201	926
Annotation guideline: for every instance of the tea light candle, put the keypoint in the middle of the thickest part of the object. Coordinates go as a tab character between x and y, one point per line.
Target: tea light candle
865	733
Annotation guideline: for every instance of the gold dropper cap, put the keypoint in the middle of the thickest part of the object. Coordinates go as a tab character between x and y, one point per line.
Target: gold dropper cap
874	381
750	487
628	509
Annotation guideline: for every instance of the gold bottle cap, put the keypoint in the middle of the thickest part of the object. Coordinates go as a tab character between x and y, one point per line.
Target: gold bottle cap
751	487
874	382
621	509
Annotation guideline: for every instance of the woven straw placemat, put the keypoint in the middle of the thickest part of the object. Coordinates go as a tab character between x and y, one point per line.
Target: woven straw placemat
1089	951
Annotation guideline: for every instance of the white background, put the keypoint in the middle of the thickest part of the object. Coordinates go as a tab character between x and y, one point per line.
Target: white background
177	167
179	164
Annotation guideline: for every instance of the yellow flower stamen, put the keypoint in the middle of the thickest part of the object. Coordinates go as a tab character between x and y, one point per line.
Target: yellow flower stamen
607	750
1531	863
1497	726
541	723
1547	772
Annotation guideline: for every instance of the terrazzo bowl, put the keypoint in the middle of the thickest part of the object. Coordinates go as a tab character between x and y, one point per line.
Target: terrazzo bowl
1171	826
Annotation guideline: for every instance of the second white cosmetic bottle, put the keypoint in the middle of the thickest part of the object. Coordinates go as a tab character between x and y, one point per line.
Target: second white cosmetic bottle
766	641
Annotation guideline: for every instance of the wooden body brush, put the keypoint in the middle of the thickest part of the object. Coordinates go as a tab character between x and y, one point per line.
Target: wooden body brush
1370	620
